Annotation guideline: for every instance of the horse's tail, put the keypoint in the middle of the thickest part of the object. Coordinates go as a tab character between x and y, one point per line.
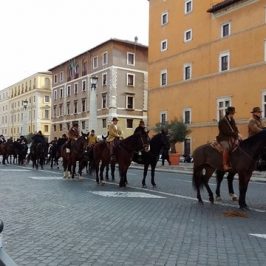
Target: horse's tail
197	180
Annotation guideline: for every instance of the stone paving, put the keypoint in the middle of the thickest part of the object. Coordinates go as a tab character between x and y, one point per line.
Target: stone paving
51	221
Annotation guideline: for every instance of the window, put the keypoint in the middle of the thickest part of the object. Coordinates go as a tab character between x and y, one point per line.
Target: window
104	100
61	93
83	105
222	105
104	79
188	6
68	90
95	62
129	123
225	30
55	79
68	126
224	61
68	108
83	85
46	128
131	59
187	71
76	88
61	76
188	35
54	110
163	45
46	99
60	127
105	58
46	114
60	110
104	123
163	81
264	105
75	107
164	18
129	102
130	79
163	118
55	94
187	116
54	128
83	125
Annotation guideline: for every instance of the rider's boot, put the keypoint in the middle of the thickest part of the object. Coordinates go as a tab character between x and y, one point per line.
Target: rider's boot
226	165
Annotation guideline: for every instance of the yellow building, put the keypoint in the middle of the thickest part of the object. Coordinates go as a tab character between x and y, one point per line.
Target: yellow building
204	57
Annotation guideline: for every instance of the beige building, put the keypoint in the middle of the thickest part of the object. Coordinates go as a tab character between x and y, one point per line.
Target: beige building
121	90
203	57
25	106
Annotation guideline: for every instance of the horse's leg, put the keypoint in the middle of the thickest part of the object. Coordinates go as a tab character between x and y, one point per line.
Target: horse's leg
230	179
106	172
198	182
97	172
103	165
219	179
145	171
206	177
113	171
243	186
153	166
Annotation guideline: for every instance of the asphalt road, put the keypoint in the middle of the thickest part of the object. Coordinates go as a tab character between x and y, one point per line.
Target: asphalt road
52	221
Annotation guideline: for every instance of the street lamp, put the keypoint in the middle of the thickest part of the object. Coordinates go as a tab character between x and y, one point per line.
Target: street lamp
24	126
93	81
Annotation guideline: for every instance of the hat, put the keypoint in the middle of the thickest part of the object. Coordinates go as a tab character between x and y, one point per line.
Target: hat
115	119
230	110
256	110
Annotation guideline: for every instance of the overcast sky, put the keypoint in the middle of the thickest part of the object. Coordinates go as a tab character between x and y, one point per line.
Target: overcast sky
37	35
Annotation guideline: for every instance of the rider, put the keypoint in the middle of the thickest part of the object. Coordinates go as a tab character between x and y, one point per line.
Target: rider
255	124
140	128
228	135
73	134
38	138
114	134
92	139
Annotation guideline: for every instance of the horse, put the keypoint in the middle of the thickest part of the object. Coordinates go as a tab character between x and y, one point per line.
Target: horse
38	154
243	160
123	151
77	151
151	157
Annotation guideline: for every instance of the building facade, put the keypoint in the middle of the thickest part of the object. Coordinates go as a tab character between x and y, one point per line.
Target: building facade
26	106
203	57
121	90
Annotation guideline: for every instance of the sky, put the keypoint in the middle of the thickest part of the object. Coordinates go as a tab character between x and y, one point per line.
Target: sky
37	35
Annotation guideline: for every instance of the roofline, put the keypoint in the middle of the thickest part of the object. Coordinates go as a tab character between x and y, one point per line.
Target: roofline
102	44
222	5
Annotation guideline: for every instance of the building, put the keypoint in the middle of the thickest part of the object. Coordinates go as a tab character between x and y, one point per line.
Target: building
120	69
25	106
203	57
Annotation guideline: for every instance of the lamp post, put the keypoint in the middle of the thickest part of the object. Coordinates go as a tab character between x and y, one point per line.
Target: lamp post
25	121
93	103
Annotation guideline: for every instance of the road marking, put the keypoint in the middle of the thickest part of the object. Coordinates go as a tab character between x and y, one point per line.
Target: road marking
259	235
14	170
45	177
117	194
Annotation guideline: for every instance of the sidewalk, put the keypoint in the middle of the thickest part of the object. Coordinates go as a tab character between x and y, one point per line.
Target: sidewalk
187	168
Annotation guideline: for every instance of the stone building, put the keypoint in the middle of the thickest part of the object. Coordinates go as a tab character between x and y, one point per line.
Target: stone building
120	69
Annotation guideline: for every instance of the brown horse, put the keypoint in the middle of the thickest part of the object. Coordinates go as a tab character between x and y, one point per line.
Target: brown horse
243	161
124	151
77	151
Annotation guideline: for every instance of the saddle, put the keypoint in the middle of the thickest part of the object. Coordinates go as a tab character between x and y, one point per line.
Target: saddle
217	146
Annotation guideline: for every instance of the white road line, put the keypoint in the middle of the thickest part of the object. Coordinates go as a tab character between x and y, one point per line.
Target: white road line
259	235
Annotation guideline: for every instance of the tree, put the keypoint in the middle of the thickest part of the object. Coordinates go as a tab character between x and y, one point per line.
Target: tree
176	130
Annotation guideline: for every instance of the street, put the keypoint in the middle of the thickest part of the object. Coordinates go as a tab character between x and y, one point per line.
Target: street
52	221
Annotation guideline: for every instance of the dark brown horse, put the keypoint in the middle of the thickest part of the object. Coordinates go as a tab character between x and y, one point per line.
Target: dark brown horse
124	151
243	161
77	151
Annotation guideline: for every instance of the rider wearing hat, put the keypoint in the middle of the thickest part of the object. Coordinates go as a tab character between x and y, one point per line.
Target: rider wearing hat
228	135
255	123
114	134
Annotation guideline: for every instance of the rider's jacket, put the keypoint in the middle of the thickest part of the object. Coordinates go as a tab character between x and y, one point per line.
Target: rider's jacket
254	126
227	129
73	133
113	132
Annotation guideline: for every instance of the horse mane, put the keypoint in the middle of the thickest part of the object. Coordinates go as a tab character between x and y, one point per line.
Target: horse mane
251	141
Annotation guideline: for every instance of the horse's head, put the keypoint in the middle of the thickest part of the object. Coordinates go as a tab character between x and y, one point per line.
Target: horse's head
144	140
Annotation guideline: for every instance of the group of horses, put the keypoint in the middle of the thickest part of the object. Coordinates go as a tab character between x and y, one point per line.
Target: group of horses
206	158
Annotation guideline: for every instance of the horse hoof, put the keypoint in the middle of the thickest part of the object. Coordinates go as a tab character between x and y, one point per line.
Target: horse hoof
144	186
154	185
218	198
233	197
